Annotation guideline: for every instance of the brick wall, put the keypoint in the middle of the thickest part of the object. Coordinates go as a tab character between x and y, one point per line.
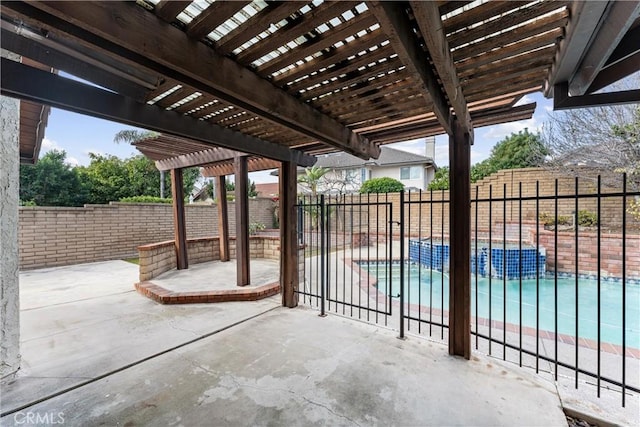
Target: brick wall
610	253
52	236
157	258
423	218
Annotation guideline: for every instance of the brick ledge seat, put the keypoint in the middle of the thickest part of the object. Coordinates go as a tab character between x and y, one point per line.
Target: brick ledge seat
165	296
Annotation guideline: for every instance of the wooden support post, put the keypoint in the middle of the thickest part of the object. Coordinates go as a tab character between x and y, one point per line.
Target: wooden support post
179	224
460	242
288	235
242	220
223	217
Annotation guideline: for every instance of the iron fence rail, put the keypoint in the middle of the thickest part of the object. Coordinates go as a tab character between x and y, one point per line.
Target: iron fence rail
351	268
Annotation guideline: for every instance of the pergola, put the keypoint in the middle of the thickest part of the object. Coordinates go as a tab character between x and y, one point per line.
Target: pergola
285	81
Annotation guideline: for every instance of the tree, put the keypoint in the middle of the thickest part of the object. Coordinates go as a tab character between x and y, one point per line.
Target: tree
231	187
312	177
596	141
381	185
51	182
109	178
440	180
519	150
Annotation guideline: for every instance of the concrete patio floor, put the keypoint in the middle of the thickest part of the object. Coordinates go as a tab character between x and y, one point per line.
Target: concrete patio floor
100	354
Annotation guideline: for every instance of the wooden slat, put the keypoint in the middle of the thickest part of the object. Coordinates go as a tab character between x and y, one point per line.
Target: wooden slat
332	56
394	20
353	84
295	28
166	50
480	13
516	18
275	11
318	43
530	44
547	23
169	9
545	54
213	16
179	223
223	217
242	220
429	21
197	158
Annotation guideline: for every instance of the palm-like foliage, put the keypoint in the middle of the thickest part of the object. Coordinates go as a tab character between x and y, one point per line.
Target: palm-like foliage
312	177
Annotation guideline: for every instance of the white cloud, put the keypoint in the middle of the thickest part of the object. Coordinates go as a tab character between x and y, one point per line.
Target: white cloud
72	161
49	145
505	129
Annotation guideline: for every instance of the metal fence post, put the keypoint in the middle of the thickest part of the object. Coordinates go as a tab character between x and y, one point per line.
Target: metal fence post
322	255
401	223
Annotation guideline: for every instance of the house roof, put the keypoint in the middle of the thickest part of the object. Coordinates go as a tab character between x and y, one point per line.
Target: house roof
388	157
270	189
33	121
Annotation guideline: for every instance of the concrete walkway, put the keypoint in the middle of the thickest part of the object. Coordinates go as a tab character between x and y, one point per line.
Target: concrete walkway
117	358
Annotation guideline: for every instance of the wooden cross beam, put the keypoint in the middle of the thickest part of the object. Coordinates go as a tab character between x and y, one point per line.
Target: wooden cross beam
429	21
144	41
393	18
25	82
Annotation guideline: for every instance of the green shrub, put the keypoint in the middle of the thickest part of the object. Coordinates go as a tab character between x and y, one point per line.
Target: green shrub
381	185
254	227
587	219
28	203
145	199
549	220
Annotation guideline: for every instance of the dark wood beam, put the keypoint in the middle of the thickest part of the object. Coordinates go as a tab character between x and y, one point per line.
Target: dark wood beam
24	82
429	21
147	42
460	243
47	54
179	223
170	9
223	217
289	274
616	72
242	221
618	18
198	158
562	100
213	16
394	20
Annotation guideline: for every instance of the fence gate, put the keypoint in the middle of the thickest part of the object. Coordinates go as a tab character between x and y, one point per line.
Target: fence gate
349	255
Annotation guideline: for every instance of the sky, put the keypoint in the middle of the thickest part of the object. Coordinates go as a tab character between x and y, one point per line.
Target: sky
80	135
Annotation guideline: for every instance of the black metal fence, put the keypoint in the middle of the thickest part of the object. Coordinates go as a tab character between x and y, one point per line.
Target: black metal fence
555	272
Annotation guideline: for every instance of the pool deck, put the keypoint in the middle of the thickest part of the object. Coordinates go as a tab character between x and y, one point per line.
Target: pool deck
99	353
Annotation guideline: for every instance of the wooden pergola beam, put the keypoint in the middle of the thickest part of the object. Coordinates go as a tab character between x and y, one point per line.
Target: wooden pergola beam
429	21
394	20
198	158
145	41
223	217
25	82
179	223
242	221
619	17
169	9
289	278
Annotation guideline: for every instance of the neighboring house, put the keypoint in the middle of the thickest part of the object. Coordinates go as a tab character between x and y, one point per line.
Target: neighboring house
349	172
270	190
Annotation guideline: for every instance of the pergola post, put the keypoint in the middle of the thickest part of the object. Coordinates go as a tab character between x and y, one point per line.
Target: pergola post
288	235
460	242
223	217
242	220
179	223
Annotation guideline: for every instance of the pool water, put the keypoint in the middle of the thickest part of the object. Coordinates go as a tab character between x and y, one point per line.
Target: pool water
426	287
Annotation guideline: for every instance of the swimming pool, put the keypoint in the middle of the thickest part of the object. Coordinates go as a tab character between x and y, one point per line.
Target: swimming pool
425	287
